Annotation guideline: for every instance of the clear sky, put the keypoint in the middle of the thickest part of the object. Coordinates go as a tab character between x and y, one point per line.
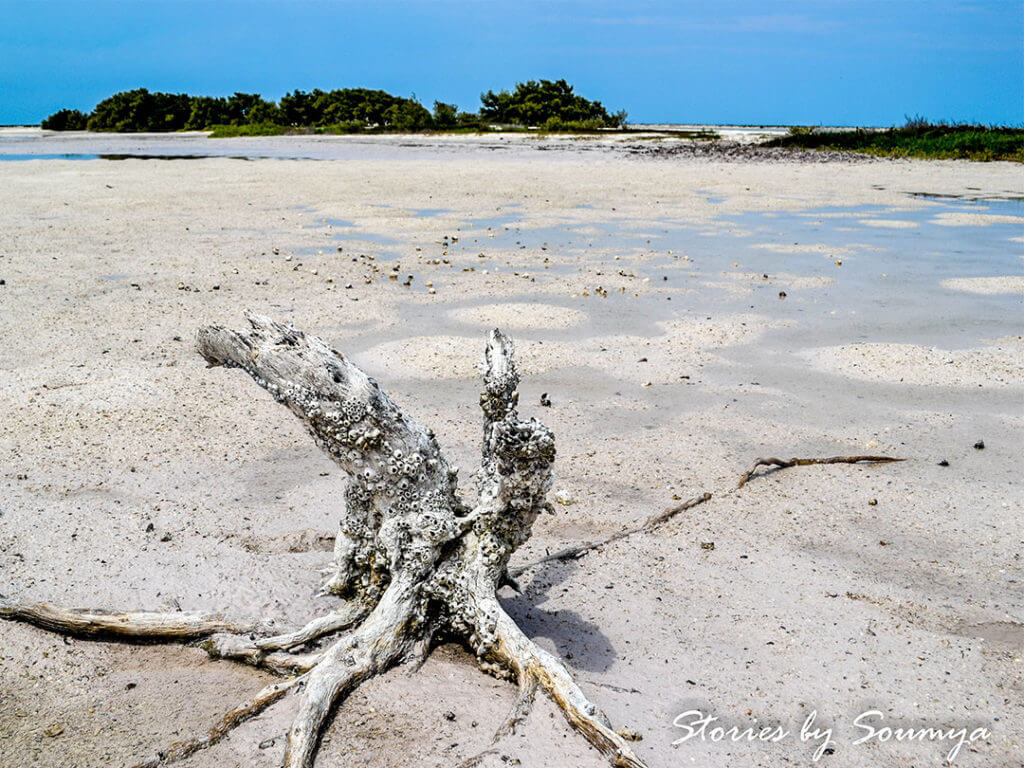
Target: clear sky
868	62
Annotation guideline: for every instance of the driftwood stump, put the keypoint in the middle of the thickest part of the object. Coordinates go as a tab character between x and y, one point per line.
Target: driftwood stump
412	560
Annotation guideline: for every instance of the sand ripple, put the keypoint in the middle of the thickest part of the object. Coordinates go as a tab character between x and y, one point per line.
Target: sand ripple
1000	363
986	285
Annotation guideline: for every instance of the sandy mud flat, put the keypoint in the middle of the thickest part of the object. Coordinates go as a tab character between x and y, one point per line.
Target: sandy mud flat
684	314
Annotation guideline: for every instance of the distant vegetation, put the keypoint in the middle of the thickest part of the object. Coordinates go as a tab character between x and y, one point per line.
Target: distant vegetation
66	120
917	138
551	105
545	104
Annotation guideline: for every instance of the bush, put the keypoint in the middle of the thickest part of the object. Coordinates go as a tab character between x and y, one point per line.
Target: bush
140	110
372	108
251	129
350	126
66	120
555	124
919	138
445	115
535	102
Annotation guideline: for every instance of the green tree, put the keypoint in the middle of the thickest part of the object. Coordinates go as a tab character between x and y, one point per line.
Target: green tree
445	115
241	106
140	110
66	120
207	111
535	102
407	115
296	108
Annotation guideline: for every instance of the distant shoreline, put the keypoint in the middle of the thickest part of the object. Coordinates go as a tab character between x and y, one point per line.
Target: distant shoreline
730	143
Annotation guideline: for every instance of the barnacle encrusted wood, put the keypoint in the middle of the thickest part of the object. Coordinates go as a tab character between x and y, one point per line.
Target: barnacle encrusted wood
412	561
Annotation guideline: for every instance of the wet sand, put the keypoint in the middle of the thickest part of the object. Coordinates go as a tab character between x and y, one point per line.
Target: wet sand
646	294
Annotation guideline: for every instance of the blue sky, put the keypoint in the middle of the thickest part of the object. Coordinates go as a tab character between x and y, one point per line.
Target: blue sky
868	62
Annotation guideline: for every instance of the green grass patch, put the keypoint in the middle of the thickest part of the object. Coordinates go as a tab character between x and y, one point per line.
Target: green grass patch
916	139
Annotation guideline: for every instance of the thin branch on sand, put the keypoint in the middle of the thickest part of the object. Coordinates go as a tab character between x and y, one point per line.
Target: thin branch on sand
786	463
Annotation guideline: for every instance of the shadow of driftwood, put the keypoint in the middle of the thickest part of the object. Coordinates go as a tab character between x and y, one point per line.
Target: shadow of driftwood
579	642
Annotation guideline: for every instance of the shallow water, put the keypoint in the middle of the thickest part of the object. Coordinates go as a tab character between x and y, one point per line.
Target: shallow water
33	144
884	265
875	283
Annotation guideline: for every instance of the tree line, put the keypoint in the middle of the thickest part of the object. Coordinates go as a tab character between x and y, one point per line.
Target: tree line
547	104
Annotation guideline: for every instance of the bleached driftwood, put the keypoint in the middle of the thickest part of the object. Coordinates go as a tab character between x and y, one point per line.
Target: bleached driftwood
412	560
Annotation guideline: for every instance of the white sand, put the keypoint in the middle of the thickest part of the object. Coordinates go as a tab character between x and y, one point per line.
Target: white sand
950	219
670	354
523	315
820	248
888	223
986	285
997	364
811	598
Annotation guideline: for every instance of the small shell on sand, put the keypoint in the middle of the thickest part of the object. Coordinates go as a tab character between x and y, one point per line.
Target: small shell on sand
1000	363
521	315
986	285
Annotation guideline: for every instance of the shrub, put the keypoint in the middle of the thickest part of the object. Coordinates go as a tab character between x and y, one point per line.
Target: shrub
140	110
251	129
66	120
535	102
445	115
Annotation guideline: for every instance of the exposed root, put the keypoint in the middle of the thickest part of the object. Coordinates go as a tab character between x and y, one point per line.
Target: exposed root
242	649
378	643
475	760
343	618
786	463
245	711
94	623
655	521
520	710
420	651
575	553
520	654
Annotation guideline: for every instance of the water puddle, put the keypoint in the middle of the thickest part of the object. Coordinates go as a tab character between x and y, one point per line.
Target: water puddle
856	272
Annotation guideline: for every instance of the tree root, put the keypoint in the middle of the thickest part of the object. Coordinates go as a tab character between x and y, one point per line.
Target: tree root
336	621
534	663
520	710
656	521
786	463
379	642
475	760
245	711
98	623
575	553
242	648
